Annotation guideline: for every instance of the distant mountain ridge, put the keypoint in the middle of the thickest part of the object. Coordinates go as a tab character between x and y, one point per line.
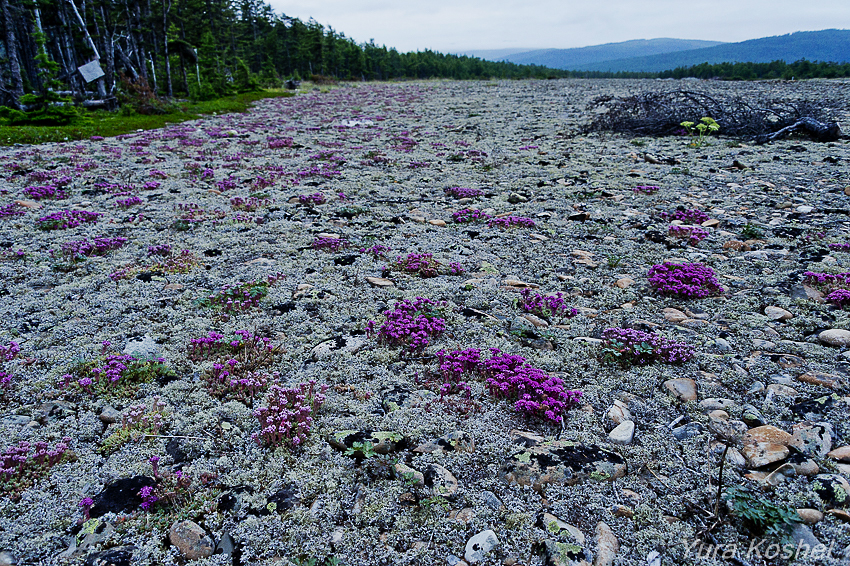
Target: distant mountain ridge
569	59
832	45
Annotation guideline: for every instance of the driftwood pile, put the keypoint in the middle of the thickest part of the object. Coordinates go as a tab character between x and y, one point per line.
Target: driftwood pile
761	121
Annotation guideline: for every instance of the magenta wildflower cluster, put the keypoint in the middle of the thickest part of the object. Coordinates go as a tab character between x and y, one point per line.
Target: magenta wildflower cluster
67	219
690	216
546	306
628	346
469	215
24	463
7	354
78	250
422	264
315	198
215	344
329	244
534	392
409	323
685	280
377	251
287	418
693	234
11	209
510	221
250	204
45	192
240	297
280	143
461	192
646	189
840	247
115	374
826	280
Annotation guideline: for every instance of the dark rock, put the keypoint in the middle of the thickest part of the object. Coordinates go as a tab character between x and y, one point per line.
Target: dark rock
556	553
112	557
813	409
120	496
563	462
457	441
832	489
283	499
383	442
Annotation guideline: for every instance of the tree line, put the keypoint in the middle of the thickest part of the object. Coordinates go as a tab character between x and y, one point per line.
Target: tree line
195	48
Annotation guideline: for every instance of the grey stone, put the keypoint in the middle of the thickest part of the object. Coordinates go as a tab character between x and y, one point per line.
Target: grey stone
143	348
687	431
624	433
479	545
492	501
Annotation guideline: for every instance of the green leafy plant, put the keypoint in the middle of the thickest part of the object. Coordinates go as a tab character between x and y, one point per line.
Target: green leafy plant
363	449
761	516
699	132
751	232
614	261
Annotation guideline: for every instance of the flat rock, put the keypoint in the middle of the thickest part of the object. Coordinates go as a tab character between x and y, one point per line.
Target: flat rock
191	540
479	545
829	380
777	313
607	545
379	282
562	462
810	516
674	315
619	412
623	433
624	282
337	345
144	347
835	337
683	388
842	454
815	439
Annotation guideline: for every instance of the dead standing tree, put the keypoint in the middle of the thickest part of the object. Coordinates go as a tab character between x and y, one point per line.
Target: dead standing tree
662	113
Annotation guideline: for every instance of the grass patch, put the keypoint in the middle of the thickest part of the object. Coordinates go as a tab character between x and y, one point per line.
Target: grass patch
108	124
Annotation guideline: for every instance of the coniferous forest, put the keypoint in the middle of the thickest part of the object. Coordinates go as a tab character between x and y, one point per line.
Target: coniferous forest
200	49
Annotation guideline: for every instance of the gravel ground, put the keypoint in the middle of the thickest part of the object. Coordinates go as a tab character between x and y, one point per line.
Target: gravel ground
382	157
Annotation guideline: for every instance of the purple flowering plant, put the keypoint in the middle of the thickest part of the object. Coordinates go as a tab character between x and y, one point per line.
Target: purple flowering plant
628	346
511	221
115	375
462	192
67	219
548	307
137	422
287	418
689	216
684	280
534	392
24	463
693	234
410	323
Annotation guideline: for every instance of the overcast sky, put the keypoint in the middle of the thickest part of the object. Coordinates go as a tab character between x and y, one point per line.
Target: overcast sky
451	26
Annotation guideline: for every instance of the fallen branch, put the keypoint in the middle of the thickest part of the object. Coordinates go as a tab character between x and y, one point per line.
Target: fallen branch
819	131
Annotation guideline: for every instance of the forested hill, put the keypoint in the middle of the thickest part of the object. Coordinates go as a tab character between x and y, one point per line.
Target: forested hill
197	48
827	45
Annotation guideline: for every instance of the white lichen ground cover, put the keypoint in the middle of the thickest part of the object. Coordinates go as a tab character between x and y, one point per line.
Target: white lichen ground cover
382	155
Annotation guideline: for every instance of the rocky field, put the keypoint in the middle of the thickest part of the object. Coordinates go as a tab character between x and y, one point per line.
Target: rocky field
427	323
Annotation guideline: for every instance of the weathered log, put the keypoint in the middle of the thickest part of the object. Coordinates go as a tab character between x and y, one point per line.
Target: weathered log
819	131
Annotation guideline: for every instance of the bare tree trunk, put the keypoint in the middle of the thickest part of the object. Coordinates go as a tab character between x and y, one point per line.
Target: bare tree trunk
108	49
166	7
12	52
